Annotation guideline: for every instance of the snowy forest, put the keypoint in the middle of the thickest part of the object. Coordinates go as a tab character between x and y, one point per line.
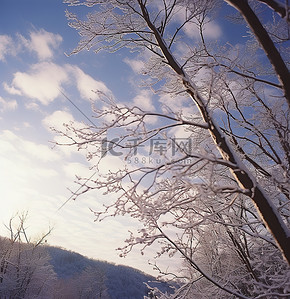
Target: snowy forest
34	270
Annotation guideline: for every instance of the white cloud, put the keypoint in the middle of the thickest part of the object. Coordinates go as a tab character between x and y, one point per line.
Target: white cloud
137	65
113	163
74	168
42	43
6	145
211	30
26	174
6	46
57	120
11	89
39	151
28	148
27	125
7	105
42	82
87	86
32	106
144	101
178	104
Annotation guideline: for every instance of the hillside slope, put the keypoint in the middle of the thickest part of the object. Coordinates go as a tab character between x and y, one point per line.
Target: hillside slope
120	282
30	271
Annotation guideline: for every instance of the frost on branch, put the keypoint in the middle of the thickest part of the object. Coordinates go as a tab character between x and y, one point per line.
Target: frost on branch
206	169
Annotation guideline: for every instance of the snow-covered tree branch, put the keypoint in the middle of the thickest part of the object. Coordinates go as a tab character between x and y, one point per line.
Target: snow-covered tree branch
206	167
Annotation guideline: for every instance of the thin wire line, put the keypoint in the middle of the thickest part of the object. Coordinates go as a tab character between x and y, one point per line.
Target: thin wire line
77	108
95	127
75	192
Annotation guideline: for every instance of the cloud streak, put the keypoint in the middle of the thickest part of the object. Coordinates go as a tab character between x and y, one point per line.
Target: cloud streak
42	82
6	46
7	105
86	85
42	43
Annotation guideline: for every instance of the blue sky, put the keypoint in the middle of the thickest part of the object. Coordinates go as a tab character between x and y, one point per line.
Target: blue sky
34	36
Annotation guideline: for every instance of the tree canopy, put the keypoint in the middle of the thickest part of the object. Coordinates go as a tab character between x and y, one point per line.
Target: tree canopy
216	190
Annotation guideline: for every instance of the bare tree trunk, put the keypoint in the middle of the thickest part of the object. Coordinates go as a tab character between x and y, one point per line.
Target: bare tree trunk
242	175
266	42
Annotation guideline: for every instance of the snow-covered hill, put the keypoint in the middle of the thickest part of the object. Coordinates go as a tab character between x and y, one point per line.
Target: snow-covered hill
34	271
119	282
